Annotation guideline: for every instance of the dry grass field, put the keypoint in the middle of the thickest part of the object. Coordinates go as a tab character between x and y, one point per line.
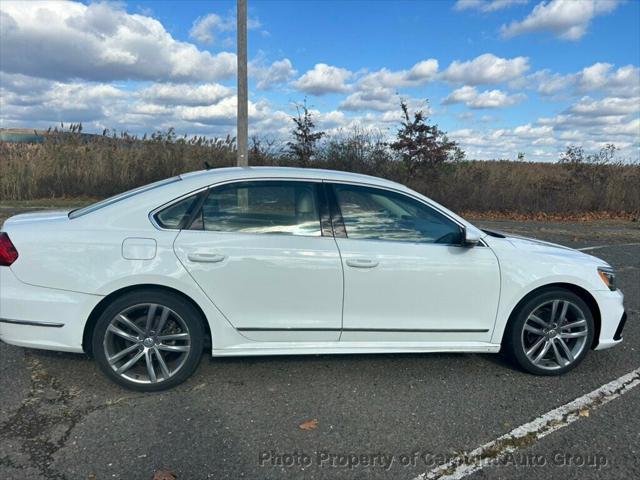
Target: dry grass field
76	169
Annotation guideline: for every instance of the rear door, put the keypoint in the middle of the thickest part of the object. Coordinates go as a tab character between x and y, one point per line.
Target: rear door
260	252
407	277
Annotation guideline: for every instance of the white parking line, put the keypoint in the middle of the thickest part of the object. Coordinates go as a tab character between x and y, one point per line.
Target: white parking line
584	249
528	433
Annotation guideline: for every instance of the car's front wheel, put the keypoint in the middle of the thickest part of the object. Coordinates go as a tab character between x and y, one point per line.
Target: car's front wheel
550	333
148	340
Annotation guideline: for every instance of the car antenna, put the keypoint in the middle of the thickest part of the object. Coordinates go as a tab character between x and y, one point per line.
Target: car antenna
207	166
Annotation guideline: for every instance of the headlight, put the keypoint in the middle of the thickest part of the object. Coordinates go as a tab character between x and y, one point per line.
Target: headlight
608	276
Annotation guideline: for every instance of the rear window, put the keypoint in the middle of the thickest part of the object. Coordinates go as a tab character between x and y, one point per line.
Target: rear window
79	212
175	215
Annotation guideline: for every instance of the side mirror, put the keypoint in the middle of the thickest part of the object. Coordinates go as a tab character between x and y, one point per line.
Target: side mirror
470	237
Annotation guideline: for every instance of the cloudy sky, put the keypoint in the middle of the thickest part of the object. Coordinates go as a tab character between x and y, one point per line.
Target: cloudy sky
501	76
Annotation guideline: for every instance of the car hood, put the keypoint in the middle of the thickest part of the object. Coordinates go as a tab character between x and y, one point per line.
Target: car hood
531	245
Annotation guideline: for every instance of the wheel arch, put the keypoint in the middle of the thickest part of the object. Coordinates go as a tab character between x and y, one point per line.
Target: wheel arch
573	288
102	305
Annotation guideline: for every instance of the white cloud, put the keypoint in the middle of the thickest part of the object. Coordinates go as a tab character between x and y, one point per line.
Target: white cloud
323	79
567	19
486	69
420	74
487	5
598	78
150	110
279	72
625	81
56	102
185	94
18	84
78	52
100	42
605	107
222	116
631	128
528	131
377	90
206	29
195	109
548	83
487	99
330	120
376	98
590	122
223	112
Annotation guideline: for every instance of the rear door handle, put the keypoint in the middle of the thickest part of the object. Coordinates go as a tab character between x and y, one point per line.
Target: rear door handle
206	257
362	263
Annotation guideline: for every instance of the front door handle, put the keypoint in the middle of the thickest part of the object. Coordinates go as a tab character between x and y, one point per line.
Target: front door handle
206	257
362	262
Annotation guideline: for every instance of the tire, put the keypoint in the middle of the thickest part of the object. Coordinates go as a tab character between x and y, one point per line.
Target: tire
537	330
148	340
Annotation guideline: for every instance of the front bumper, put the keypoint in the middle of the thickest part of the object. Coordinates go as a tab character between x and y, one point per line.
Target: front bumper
623	321
612	314
40	317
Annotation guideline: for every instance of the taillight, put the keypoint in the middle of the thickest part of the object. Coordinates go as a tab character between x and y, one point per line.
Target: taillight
8	252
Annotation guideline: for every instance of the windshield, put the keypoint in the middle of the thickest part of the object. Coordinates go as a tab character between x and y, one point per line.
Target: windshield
78	212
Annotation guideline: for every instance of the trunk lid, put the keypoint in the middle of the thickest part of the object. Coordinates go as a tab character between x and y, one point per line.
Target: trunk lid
35	217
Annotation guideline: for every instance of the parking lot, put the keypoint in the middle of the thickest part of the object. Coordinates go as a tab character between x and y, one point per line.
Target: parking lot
365	416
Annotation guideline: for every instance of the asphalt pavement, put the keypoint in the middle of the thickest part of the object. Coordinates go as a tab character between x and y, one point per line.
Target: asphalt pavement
366	416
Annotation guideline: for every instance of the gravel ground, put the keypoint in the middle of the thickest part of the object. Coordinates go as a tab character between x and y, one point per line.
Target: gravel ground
239	418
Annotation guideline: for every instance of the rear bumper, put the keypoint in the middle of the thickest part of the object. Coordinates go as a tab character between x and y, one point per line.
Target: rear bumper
40	317
612	314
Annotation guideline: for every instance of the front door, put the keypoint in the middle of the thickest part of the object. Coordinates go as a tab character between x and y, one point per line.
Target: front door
258	251
407	277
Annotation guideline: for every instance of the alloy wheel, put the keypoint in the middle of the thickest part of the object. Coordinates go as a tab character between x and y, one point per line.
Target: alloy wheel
555	334
147	343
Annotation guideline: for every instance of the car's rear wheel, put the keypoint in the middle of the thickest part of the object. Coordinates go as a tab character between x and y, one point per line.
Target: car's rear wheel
550	333
148	340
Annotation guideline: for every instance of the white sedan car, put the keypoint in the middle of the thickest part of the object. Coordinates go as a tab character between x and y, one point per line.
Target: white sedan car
271	261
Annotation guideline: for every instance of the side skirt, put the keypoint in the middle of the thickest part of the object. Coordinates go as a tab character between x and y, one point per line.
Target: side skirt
321	348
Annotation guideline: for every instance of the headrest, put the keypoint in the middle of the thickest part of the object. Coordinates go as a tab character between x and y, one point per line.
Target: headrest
304	202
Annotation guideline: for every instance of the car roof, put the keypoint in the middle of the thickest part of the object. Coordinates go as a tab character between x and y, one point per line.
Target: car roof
215	175
133	208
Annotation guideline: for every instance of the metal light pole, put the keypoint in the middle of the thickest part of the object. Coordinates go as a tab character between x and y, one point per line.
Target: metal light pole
243	90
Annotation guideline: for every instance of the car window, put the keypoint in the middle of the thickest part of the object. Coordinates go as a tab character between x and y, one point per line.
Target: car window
285	207
175	214
377	214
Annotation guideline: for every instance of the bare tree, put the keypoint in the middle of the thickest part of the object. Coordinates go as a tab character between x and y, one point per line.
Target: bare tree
575	155
305	139
421	144
262	150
